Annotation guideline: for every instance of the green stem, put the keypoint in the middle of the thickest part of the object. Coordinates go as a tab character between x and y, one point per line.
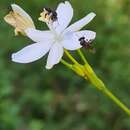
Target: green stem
87	73
101	87
117	101
66	64
76	68
82	56
70	57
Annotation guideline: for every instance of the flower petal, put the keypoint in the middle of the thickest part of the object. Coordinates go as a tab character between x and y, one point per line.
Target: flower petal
20	11
38	36
64	14
71	42
31	53
55	55
81	23
89	35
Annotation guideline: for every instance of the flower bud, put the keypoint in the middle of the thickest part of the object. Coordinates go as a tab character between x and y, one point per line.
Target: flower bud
79	70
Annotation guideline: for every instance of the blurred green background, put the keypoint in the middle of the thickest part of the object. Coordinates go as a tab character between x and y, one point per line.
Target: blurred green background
33	98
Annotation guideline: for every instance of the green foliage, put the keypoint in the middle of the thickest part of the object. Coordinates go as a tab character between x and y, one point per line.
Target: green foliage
33	98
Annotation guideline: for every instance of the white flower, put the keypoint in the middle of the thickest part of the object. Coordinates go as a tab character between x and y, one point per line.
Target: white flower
55	40
19	19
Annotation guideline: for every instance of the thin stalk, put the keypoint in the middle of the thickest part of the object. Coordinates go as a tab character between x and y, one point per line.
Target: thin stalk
66	64
70	57
82	56
76	68
101	87
92	77
116	100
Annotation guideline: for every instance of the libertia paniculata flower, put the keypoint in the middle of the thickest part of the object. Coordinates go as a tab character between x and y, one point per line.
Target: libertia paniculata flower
60	36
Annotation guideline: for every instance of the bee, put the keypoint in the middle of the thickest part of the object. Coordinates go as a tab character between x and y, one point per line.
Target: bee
87	44
48	15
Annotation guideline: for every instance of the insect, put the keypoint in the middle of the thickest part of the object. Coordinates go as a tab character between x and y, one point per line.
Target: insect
87	44
49	15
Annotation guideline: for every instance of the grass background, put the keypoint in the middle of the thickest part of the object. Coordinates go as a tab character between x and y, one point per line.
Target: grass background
33	98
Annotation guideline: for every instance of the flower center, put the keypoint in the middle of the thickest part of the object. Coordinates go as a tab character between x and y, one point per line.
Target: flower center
57	37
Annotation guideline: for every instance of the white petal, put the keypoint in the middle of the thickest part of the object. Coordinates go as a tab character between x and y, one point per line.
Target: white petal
89	35
64	14
81	23
71	42
38	36
55	55
19	10
31	53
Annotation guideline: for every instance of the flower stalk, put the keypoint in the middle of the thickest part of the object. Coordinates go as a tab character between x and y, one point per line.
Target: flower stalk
101	87
87	73
70	66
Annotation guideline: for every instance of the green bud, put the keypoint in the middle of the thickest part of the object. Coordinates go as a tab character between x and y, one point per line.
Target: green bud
78	69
